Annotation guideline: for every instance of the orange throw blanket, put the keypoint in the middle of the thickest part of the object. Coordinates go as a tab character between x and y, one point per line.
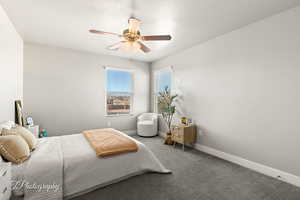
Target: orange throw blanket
108	142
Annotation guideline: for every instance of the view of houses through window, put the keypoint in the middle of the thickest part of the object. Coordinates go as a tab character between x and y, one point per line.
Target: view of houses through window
119	91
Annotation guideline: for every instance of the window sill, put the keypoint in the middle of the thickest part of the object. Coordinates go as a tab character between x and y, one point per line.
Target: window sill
120	115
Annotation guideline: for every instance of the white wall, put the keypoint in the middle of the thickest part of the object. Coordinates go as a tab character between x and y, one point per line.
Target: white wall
64	89
11	67
242	90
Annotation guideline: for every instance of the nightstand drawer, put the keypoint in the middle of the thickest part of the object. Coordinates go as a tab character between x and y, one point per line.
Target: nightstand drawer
178	131
177	136
178	139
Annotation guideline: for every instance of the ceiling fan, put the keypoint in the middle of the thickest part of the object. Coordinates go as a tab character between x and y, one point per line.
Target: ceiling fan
132	38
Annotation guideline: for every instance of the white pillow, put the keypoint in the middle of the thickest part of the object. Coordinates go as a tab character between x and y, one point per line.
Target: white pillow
7	125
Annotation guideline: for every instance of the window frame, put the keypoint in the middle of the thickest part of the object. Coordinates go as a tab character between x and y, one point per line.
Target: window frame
156	85
130	93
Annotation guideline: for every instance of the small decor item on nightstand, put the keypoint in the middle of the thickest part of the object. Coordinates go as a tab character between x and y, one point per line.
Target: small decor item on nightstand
43	133
29	121
184	120
190	122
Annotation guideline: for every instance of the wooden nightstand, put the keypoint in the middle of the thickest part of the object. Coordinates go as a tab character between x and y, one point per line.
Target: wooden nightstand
5	180
184	135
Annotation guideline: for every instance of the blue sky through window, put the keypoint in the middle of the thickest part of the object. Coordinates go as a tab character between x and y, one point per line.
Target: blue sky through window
164	79
118	81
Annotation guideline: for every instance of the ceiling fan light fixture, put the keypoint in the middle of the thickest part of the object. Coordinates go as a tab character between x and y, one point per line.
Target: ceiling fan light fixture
134	24
130	46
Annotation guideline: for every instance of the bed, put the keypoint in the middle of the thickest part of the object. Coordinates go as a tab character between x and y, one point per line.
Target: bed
70	162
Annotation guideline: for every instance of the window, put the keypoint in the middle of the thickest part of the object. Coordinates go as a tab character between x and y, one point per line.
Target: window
119	94
163	79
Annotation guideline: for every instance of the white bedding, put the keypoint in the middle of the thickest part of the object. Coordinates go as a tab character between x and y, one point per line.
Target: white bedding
42	170
84	171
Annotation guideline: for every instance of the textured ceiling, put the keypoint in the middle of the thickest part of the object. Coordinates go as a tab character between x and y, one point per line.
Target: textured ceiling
65	23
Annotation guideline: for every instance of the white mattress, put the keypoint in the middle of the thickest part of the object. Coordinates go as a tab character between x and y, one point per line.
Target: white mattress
84	171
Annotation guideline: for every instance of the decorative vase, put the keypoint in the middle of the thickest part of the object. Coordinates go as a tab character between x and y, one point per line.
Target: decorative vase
43	133
168	139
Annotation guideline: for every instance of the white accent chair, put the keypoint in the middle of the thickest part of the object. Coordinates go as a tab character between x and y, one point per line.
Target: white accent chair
147	125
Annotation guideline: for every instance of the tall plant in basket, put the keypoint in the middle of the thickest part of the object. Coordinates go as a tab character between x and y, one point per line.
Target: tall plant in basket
167	109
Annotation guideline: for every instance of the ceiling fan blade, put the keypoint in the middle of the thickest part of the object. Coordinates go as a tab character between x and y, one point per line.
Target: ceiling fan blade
156	37
115	46
144	48
104	33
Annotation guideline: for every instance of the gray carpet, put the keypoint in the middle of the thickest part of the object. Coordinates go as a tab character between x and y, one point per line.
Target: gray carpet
196	176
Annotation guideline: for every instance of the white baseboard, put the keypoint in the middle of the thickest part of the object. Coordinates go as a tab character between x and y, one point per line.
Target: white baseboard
266	170
130	132
269	171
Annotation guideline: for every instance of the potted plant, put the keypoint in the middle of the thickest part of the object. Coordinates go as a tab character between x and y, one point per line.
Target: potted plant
167	109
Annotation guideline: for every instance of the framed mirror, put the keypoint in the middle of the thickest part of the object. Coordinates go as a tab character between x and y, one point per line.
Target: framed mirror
19	118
